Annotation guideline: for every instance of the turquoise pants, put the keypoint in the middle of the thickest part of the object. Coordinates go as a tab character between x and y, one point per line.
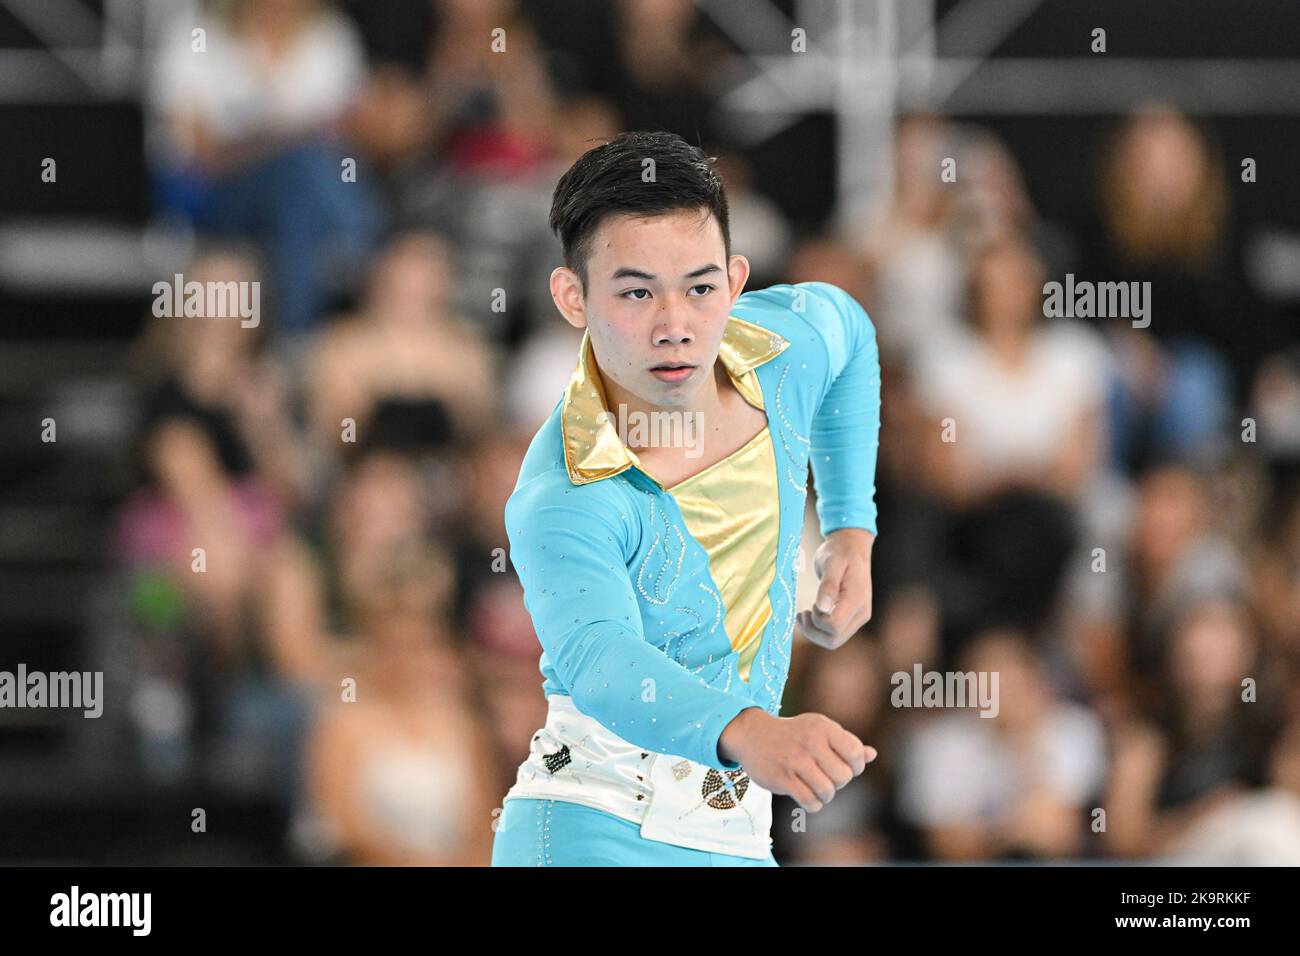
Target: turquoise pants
537	832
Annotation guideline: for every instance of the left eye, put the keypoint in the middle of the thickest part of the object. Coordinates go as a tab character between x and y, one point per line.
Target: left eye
705	286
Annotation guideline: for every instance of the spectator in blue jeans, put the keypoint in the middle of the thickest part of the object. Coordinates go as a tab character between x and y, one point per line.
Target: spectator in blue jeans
248	110
1169	400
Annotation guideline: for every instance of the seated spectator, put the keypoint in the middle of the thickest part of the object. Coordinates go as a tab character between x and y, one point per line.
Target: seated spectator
220	464
825	259
1276	578
991	201
1206	743
398	774
1171	555
538	372
248	141
514	707
405	354
670	62
317	581
1178	558
1260	828
216	371
220	469
1165	221
1011	417
1011	786
492	110
917	268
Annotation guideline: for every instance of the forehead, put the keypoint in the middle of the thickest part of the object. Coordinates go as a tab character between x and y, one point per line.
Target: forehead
664	239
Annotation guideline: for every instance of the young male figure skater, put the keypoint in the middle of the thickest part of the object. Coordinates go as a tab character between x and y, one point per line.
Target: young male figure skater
660	577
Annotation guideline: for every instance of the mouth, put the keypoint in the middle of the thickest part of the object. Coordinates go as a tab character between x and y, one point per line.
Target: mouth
672	371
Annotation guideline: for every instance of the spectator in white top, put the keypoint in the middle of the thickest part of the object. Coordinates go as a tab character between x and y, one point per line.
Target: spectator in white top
1011	786
1024	393
250	104
1010	439
917	268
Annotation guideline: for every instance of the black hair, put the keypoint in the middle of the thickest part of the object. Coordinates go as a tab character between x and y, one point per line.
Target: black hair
608	180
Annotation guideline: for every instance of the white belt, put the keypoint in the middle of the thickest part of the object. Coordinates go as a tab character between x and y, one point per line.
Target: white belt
675	800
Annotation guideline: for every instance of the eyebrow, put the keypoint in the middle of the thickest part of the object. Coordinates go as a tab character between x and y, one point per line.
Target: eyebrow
627	272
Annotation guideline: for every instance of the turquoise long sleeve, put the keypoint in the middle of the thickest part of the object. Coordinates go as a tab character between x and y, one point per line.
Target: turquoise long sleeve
846	429
572	562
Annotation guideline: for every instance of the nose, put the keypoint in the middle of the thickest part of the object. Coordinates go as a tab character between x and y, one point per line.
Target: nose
672	328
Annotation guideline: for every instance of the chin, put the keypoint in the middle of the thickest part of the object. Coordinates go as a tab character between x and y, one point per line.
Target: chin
670	394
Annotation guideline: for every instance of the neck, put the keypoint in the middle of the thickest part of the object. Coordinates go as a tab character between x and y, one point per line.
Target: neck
1009	343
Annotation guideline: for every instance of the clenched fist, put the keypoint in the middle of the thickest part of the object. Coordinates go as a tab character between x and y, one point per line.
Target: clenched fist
843	603
807	757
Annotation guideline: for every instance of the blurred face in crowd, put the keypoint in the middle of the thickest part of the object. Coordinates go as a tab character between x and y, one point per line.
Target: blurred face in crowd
1210	651
919	150
1165	162
1006	288
210	348
1171	514
659	292
413	280
381	502
1023	691
408	603
991	203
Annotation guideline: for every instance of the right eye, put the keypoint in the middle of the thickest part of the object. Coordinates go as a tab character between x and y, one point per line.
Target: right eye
630	291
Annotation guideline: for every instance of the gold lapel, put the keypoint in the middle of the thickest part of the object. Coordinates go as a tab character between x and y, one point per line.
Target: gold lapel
592	448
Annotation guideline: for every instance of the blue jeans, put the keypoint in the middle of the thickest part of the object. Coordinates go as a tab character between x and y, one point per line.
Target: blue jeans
1193	412
296	205
537	832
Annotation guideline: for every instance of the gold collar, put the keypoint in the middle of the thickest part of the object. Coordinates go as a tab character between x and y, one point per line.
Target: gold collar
592	447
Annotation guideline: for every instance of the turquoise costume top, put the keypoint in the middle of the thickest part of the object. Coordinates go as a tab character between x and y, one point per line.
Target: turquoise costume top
665	612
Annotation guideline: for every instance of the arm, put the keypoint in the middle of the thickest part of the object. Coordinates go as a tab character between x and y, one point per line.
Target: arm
570	552
846	428
843	444
265	422
587	618
1077	457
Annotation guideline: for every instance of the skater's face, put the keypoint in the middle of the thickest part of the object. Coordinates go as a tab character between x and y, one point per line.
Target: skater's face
659	292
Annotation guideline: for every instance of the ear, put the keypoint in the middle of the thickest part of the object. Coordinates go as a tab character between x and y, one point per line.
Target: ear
737	276
566	291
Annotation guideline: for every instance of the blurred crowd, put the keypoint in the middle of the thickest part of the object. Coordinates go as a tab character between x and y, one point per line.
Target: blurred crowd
1107	516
